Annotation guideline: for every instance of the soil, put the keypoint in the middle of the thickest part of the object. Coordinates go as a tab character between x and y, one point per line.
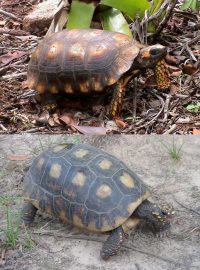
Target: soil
55	245
145	110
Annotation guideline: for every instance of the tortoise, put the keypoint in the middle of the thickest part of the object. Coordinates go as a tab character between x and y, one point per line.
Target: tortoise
93	190
82	62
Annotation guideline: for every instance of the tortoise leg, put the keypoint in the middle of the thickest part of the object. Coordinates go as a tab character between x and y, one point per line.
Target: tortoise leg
113	243
48	101
119	92
28	213
117	100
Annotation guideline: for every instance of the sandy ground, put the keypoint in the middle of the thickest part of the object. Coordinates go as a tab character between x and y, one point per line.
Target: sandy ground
170	181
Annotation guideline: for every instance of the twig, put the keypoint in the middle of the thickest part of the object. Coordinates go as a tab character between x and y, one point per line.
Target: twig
189	209
95	239
166	108
167	16
169	131
8	14
12	76
13	32
34	130
157	115
3	128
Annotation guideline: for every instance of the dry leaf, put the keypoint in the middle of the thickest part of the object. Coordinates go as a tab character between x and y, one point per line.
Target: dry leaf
196	131
174	89
190	69
43	117
87	130
120	123
17	157
68	119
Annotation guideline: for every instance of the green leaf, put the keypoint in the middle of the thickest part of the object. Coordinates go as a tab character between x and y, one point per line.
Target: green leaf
194	4
130	7
80	15
193	107
113	20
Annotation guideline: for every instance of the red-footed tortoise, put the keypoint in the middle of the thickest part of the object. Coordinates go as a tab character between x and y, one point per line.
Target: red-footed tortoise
90	62
91	189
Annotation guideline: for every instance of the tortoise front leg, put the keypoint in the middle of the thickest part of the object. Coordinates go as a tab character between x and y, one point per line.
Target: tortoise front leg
48	101
28	213
118	94
113	243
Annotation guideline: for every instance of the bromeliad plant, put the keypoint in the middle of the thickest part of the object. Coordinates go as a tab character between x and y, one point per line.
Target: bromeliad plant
117	15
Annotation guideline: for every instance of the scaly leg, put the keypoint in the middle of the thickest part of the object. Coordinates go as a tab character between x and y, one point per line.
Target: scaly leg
113	243
28	213
119	92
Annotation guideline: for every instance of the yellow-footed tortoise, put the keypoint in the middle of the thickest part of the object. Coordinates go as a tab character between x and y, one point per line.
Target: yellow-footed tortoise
91	189
90	61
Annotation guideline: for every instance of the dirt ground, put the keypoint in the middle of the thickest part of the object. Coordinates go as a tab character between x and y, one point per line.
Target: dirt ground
57	246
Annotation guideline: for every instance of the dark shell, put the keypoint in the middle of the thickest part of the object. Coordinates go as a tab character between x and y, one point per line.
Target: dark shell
84	186
80	61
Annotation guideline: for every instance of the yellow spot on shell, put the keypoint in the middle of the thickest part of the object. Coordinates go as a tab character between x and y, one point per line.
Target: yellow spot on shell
98	50
105	164
127	180
84	87
59	148
68	88
81	153
53	89
92	226
55	171
103	191
53	51
119	220
132	206
62	215
40	163
40	87
97	86
130	223
77	50
79	179
77	221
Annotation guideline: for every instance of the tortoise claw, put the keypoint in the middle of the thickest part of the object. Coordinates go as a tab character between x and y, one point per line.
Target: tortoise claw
162	234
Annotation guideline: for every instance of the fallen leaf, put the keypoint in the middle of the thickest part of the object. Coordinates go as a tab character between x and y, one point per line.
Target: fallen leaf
87	130
56	118
171	59
43	117
120	123
68	119
174	89
190	69
7	58
196	131
17	157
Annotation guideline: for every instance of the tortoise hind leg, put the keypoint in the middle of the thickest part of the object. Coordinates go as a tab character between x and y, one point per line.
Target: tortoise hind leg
28	213
113	243
118	94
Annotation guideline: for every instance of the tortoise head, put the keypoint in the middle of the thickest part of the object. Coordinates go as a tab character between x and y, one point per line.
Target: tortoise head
149	56
160	218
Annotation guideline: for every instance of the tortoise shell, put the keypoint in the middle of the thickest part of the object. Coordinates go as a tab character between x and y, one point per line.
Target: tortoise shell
84	186
80	61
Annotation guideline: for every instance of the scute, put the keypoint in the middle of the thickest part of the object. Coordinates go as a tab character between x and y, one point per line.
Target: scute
72	60
84	186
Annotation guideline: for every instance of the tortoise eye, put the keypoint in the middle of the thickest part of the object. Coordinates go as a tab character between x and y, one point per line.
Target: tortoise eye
155	52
